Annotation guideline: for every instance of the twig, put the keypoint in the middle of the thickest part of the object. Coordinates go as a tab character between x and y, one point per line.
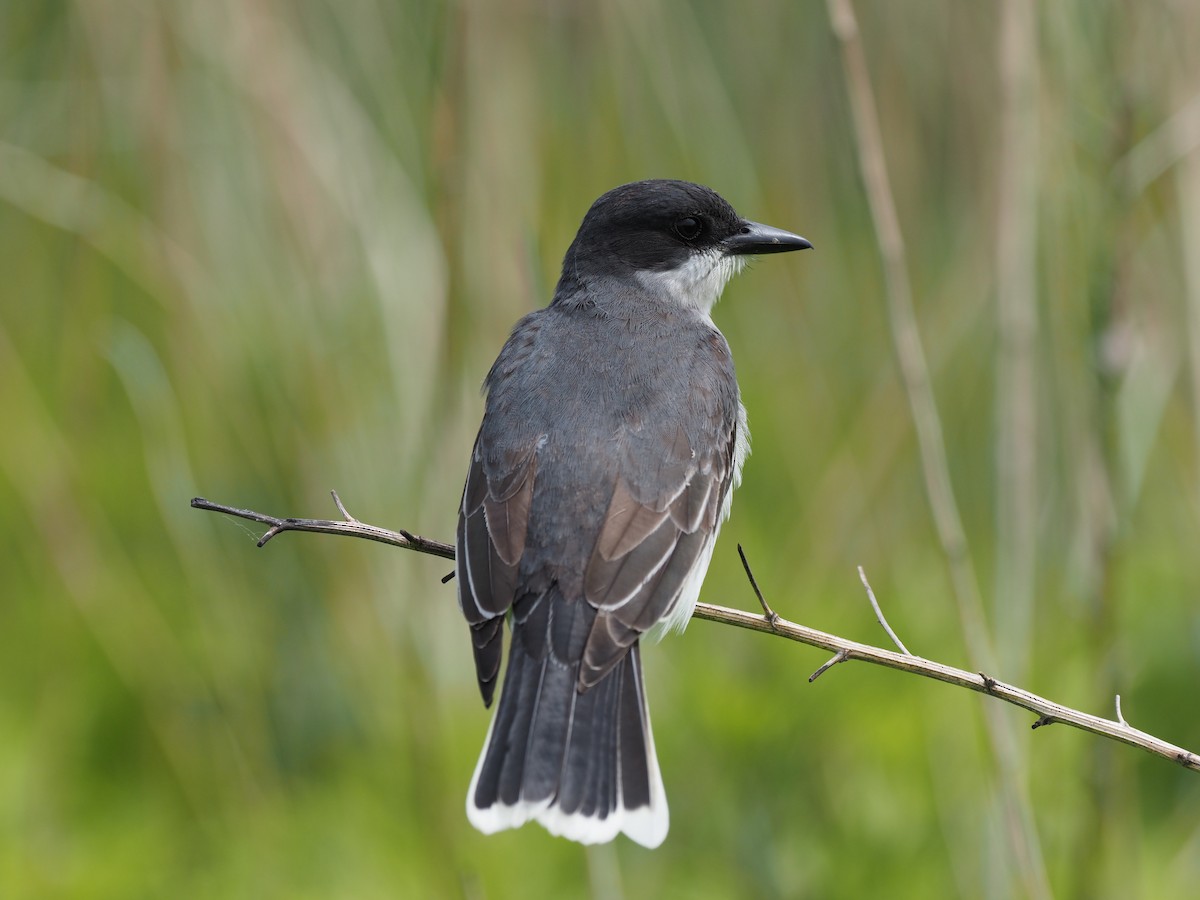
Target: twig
842	655
839	657
905	662
879	613
350	526
771	615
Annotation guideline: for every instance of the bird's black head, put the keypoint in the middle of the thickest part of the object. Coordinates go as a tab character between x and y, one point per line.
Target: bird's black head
682	237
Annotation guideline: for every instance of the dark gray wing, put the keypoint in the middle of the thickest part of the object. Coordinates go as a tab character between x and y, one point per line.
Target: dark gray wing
657	534
493	523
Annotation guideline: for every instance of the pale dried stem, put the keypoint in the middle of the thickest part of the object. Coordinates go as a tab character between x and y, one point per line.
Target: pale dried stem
917	385
1016	328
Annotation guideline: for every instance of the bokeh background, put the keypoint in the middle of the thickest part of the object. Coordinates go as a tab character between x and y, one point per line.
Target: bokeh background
258	250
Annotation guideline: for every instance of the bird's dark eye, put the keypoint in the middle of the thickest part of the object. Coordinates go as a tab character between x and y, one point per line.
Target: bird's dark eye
689	228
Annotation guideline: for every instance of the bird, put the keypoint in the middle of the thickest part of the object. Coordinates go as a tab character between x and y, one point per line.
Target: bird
612	437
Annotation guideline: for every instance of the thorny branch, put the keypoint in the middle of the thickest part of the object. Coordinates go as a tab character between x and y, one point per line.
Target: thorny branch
770	622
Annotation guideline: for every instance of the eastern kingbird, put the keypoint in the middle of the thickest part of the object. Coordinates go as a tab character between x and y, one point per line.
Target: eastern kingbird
612	437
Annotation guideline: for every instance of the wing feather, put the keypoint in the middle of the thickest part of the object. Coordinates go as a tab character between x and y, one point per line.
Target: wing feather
627	524
507	514
650	544
609	584
493	526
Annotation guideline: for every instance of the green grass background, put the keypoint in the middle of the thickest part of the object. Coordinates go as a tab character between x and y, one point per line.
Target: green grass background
258	250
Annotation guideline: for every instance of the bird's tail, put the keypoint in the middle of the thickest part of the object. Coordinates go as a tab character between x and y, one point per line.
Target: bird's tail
580	763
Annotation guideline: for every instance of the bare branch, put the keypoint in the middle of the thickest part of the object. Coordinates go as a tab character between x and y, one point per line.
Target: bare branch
842	648
350	526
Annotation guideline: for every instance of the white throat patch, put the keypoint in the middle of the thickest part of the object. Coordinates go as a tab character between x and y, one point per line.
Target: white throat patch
698	282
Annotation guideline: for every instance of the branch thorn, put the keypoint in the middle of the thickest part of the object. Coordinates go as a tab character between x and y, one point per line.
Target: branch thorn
840	656
771	616
879	617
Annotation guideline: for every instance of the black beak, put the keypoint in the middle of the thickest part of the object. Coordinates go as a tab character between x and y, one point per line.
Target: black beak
755	238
